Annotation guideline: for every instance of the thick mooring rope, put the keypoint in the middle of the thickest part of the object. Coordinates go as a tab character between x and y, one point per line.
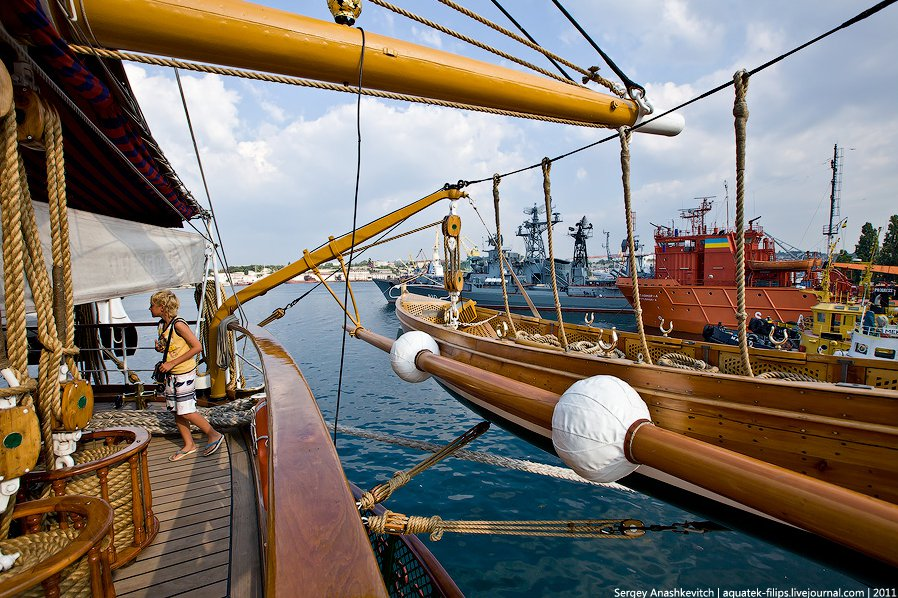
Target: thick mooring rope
547	195
561	473
740	114
631	244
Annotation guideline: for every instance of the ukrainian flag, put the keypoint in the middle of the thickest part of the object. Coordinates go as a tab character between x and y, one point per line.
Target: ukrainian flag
717	243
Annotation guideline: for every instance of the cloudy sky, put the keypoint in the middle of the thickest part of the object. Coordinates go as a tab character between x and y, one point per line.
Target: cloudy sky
280	160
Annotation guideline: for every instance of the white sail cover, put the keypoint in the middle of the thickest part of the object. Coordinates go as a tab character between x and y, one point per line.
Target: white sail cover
112	257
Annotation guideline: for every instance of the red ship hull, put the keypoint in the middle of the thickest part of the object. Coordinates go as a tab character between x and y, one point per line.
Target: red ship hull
691	307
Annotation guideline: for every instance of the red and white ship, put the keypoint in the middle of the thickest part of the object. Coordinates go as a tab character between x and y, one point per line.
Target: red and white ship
695	277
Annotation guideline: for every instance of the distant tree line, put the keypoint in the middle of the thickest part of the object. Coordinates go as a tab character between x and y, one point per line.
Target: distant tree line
868	245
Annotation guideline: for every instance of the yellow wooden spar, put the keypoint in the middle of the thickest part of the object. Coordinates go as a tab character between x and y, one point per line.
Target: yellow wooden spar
243	35
311	259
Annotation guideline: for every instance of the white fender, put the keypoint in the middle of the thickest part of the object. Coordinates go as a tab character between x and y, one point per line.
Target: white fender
590	424
406	349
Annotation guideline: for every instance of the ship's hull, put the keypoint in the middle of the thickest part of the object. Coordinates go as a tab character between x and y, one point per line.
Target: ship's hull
587	298
690	308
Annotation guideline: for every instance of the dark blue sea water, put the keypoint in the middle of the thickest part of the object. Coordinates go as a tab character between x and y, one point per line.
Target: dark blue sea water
373	398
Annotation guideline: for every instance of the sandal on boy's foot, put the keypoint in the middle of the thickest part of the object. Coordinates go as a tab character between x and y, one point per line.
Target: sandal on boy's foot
181	454
213	446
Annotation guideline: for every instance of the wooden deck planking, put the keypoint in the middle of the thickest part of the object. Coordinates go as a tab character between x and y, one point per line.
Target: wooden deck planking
191	555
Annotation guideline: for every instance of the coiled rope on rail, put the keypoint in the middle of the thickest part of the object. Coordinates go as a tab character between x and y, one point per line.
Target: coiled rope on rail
625	133
789	376
740	114
684	362
257	76
231	415
547	196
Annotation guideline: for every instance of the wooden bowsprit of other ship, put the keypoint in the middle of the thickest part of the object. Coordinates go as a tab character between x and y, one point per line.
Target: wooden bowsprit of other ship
832	444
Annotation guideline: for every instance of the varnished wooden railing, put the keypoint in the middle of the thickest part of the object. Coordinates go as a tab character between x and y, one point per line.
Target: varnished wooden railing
314	542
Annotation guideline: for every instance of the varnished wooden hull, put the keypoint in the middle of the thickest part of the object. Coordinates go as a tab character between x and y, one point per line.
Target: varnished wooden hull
843	435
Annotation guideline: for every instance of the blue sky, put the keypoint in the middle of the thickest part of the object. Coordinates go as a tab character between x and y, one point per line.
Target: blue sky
280	160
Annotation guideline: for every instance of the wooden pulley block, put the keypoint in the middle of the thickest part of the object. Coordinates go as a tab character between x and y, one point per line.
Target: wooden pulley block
6	94
77	405
454	281
31	117
20	441
452	225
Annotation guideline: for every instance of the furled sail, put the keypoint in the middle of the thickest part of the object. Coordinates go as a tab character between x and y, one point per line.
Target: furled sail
112	257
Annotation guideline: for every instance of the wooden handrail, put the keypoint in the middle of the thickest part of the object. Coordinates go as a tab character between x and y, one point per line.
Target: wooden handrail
97	515
136	438
315	542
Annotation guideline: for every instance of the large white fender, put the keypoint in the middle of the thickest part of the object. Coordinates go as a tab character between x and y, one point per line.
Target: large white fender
406	349
590	424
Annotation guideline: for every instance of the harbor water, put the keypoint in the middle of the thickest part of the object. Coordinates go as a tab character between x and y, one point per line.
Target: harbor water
373	398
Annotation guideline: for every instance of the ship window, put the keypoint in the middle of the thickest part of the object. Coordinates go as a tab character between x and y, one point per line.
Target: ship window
821	318
836	321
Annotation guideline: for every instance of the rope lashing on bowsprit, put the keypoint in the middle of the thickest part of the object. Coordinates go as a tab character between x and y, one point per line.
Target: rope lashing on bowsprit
625	133
502	263
612	529
740	115
383	491
684	362
547	195
231	415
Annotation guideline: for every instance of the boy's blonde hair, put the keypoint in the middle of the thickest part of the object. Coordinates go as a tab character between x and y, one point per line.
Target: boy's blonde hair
168	301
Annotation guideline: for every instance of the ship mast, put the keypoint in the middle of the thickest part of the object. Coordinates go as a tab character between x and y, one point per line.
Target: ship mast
532	232
835	196
580	232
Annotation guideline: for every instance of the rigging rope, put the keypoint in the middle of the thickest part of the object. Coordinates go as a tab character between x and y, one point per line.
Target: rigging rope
633	88
611	529
502	263
547	193
355	213
231	72
740	114
589	75
625	133
381	492
528	36
472	41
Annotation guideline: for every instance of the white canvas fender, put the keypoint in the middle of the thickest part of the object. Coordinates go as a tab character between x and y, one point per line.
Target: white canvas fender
590	423
406	349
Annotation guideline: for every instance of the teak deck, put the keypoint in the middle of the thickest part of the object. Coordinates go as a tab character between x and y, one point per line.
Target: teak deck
198	551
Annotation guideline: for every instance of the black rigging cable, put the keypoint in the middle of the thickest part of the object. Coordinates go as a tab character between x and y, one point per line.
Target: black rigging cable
852	21
355	212
631	85
527	35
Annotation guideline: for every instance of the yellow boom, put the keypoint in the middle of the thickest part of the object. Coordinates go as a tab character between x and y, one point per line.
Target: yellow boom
243	35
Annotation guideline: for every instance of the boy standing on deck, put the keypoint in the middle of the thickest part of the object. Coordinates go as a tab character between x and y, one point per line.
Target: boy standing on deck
179	368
